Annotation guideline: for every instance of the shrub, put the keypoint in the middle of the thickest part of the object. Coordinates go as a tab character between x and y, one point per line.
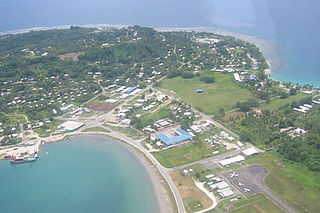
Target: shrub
187	75
207	78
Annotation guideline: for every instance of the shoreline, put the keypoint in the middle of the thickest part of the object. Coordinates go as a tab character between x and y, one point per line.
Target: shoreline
267	48
160	191
164	201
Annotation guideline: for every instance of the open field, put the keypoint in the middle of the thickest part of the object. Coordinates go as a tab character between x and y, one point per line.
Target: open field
129	131
184	154
15	118
275	104
193	198
223	93
258	203
100	106
294	183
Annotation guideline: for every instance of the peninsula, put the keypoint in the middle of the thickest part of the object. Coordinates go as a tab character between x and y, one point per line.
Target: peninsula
198	106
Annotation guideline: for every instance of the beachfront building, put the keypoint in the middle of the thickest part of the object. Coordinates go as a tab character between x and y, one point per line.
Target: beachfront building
70	126
181	136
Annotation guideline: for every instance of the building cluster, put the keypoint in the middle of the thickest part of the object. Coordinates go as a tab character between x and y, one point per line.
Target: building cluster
303	108
58	91
239	158
214	183
298	132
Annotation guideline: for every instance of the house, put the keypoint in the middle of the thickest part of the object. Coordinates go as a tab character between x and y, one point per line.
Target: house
66	108
236	77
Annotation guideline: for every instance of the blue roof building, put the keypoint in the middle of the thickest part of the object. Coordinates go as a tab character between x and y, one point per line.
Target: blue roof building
252	77
130	90
199	90
182	136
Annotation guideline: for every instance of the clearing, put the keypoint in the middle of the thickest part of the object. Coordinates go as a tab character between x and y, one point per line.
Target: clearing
193	198
223	93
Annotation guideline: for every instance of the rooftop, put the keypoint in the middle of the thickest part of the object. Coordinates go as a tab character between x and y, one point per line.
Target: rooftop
182	136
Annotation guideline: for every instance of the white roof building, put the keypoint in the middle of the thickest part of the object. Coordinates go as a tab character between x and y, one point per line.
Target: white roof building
236	77
222	185
226	193
111	101
250	151
232	160
70	125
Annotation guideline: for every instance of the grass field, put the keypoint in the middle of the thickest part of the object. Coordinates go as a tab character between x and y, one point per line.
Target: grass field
130	132
258	203
95	129
13	119
223	93
275	104
293	182
193	198
185	154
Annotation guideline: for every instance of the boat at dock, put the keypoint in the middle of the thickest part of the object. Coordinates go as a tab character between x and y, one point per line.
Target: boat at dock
23	160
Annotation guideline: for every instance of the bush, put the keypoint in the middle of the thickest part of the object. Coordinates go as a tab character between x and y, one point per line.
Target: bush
207	78
187	75
293	91
284	95
173	73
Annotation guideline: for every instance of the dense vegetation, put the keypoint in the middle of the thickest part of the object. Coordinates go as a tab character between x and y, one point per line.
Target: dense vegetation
269	129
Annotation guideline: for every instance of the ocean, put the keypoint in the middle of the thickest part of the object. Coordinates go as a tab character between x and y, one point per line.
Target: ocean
291	26
82	174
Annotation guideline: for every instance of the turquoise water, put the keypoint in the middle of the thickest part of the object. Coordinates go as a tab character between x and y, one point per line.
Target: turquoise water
293	26
83	174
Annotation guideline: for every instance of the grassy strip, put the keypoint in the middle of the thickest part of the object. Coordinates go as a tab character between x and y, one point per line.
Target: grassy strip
255	203
275	104
293	182
129	131
185	154
95	129
193	198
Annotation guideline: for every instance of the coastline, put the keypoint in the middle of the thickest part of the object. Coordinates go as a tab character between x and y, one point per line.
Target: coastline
161	190
161	193
267	48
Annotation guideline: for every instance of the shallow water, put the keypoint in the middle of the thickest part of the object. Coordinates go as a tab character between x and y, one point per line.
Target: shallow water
83	174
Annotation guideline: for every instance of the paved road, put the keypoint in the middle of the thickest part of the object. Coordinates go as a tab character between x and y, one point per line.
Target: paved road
252	177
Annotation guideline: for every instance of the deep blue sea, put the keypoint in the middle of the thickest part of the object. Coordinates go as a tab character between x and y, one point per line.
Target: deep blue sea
80	175
292	26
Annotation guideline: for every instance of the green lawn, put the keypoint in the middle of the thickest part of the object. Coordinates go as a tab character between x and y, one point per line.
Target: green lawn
254	204
293	182
275	104
184	154
95	129
223	93
129	131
